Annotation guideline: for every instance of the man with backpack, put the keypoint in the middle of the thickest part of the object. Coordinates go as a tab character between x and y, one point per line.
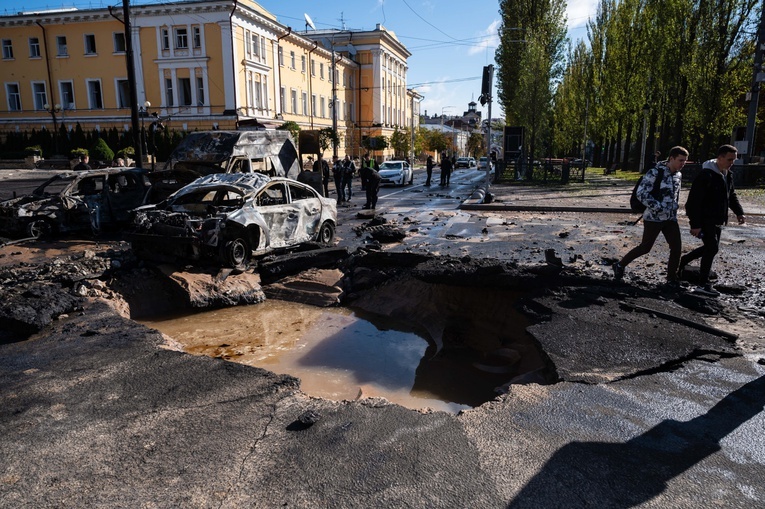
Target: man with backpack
711	195
660	215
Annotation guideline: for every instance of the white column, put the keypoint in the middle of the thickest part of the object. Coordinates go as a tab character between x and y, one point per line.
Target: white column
229	59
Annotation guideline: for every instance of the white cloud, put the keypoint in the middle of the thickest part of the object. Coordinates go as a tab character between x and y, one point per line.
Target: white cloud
579	11
489	39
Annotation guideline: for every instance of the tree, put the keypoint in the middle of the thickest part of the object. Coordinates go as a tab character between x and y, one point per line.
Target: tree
101	151
436	141
293	128
475	145
328	137
400	140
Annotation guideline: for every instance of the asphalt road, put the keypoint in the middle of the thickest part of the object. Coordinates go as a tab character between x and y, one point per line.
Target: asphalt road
96	411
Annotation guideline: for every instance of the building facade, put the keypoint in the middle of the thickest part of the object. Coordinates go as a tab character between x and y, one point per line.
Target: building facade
213	64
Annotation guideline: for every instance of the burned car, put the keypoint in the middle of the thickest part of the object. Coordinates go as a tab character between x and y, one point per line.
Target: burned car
228	218
73	201
271	152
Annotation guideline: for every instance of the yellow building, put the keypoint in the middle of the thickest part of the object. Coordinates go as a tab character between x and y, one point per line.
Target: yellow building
213	64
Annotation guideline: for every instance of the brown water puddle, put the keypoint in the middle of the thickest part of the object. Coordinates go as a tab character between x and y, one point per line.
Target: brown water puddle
337	353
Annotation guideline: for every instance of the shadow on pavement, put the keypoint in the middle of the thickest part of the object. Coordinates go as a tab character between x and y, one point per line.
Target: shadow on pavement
600	474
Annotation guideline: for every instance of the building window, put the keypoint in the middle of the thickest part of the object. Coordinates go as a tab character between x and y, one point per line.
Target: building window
95	97
181	38
200	91
165	39
90	44
196	32
280	53
313	105
294	101
323	108
255	46
263	50
119	42
14	97
247	47
321	70
184	92
34	47
39	94
305	103
302	64
169	92
313	67
61	50
7	49
67	94
123	94
282	98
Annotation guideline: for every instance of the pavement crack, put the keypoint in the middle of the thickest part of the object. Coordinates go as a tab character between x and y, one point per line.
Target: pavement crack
675	364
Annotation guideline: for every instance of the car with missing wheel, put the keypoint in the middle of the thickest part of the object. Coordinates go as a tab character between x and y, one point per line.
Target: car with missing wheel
76	201
228	218
396	172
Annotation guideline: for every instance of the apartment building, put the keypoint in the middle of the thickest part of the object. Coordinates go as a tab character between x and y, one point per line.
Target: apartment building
211	64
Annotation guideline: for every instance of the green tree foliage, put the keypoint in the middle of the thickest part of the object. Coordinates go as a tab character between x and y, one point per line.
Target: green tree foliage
293	128
101	151
401	141
475	145
435	141
328	138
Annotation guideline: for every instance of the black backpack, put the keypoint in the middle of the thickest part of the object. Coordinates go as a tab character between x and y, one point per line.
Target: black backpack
637	205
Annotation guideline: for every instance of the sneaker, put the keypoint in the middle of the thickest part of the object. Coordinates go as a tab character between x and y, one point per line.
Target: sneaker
706	290
618	271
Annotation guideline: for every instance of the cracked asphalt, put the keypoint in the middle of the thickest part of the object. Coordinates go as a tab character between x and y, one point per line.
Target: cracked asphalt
97	411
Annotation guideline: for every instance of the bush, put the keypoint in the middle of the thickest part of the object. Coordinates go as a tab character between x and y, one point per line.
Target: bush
101	151
76	153
127	152
34	150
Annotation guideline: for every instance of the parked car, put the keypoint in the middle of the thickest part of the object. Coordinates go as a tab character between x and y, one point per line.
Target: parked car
483	163
231	217
396	172
462	162
71	201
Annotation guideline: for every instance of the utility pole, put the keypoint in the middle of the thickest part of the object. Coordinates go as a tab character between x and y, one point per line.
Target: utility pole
334	100
754	99
487	86
132	84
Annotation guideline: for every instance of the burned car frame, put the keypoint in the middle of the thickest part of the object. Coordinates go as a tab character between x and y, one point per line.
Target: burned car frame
228	218
75	201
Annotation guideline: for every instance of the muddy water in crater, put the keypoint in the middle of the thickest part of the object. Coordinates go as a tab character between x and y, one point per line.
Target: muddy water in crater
338	353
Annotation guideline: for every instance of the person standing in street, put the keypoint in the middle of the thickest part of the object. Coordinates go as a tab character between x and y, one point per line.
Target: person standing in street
429	169
712	194
337	175
349	171
372	178
321	167
660	215
83	164
446	170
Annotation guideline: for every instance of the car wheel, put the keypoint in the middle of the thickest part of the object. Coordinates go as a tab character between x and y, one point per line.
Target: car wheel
236	253
411	178
327	233
40	228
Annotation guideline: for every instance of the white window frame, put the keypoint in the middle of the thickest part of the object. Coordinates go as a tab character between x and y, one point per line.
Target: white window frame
66	105
321	70
61	46
280	53
292	60
196	36
165	38
304	101
87	40
294	101
9	94
39	95
89	84
169	99
183	84
181	37
34	47
7	49
282	98
200	91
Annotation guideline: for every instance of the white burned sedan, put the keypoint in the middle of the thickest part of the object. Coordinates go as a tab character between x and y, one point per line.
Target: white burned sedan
230	217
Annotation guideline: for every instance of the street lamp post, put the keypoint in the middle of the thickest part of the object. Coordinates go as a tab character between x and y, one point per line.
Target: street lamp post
144	110
442	118
53	110
646	110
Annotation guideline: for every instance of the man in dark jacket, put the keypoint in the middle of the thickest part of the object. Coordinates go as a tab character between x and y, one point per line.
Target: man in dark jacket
711	195
321	167
371	177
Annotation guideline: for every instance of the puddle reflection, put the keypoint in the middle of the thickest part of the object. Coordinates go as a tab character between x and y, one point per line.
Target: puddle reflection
337	353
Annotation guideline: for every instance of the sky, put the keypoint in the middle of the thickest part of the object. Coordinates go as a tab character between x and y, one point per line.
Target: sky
450	40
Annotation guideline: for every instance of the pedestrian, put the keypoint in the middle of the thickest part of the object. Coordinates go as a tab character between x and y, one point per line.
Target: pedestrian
371	176
349	171
429	169
337	175
712	194
83	164
322	168
660	215
446	170
362	175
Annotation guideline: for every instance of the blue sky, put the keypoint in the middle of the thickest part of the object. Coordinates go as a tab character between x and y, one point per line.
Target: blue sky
450	40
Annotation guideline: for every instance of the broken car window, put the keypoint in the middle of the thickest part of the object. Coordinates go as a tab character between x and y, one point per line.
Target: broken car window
300	193
272	195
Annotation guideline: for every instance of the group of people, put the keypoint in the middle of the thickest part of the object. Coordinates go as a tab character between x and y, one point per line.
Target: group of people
343	172
447	165
712	194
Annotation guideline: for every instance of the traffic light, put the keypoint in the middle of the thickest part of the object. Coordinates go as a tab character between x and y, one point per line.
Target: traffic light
486	84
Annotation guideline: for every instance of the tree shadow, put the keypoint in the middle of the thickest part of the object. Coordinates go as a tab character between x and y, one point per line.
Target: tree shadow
600	474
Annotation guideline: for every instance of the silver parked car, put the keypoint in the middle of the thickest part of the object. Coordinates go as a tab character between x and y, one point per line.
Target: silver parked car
230	217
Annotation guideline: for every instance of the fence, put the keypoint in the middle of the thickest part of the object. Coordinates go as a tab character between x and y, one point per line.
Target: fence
547	171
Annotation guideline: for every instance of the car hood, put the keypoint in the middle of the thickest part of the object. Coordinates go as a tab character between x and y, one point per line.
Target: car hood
390	171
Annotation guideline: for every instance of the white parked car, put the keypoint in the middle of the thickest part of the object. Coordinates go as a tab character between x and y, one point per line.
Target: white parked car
396	172
483	163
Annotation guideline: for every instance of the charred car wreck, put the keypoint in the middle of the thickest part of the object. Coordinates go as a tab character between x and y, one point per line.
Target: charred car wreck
74	201
230	217
271	152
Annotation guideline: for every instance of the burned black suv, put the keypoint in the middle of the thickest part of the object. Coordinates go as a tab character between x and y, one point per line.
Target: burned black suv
75	201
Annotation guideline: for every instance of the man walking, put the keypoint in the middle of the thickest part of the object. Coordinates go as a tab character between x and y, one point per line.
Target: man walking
660	215
372	178
349	171
711	195
429	169
337	175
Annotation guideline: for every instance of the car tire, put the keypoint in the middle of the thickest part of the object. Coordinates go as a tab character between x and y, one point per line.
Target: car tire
236	253
40	228
411	178
326	233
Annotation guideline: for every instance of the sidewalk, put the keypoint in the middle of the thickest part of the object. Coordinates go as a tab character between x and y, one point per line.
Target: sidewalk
600	193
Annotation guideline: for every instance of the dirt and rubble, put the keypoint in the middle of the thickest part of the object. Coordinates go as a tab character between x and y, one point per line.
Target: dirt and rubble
617	370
